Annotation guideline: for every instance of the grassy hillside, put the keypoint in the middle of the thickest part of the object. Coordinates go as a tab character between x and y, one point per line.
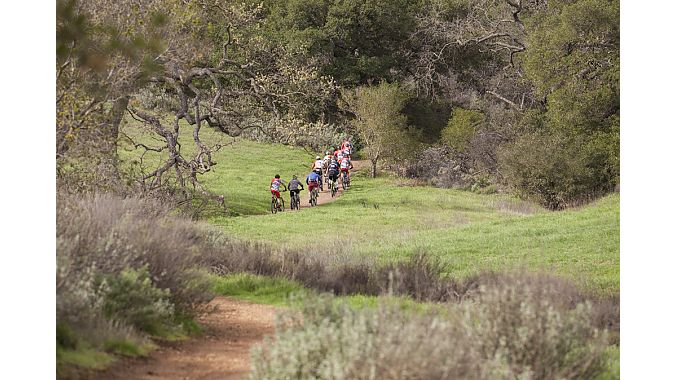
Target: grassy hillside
386	218
470	232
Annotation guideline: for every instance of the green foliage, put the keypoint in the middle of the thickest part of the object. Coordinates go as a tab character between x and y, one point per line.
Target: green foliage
132	297
380	123
261	289
461	127
86	358
125	347
429	117
557	170
573	60
356	40
65	336
612	371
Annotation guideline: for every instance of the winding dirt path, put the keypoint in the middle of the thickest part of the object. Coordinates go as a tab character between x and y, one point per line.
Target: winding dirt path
222	353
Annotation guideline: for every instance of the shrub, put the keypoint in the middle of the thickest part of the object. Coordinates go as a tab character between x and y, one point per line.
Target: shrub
124	267
131	297
535	331
505	333
461	128
555	170
439	166
107	234
65	336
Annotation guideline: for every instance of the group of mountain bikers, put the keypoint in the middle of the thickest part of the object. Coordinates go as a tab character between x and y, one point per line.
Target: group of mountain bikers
334	165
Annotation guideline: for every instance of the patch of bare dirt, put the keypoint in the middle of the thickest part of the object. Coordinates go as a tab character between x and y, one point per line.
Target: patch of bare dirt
221	353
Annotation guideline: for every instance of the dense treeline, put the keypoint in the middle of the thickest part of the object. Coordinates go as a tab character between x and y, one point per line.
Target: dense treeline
515	93
522	93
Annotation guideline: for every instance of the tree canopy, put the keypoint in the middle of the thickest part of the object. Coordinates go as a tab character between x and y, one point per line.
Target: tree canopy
279	70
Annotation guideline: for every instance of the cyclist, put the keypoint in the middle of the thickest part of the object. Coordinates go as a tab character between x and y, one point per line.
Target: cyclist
274	186
293	186
332	170
347	152
327	160
346	146
345	166
336	153
339	156
317	167
312	181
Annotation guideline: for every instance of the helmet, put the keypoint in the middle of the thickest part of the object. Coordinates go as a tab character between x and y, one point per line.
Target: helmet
318	158
327	152
295	177
276	175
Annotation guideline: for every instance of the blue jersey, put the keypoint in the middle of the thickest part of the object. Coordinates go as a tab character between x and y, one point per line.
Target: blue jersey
312	177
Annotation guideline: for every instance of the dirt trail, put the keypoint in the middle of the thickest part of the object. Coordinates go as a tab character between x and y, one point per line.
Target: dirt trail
222	353
325	196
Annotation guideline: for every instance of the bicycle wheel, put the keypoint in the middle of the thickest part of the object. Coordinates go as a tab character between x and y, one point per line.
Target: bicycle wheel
344	181
273	206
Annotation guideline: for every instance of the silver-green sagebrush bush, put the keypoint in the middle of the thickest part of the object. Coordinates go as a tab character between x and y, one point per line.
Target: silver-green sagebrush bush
125	267
503	334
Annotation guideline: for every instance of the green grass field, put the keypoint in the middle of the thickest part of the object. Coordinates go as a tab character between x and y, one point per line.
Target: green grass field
386	218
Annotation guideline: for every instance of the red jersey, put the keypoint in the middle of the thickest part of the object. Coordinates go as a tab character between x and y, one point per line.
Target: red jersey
346	144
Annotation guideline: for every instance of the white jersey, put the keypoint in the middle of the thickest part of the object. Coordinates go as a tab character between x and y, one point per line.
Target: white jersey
345	164
319	164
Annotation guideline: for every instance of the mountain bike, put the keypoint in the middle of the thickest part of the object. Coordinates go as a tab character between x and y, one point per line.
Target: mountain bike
277	204
313	196
295	200
345	181
333	187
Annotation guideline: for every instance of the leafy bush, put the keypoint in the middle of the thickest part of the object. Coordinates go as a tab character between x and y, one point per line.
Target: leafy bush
461	128
125	267
556	170
107	234
65	336
131	297
504	334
